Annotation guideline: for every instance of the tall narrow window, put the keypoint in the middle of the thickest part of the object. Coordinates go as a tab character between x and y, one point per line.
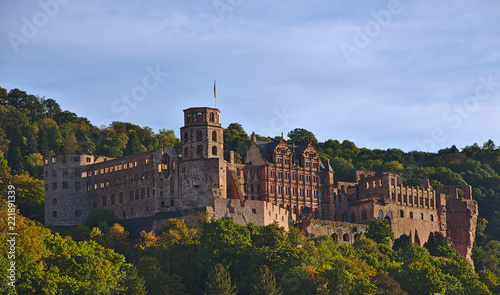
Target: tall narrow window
199	150
198	135
214	136
214	150
212	117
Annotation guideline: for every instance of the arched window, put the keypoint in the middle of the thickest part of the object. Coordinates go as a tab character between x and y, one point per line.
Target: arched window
199	117
186	150
364	216
214	136
199	150
422	216
432	217
212	117
335	237
389	215
401	213
380	213
356	237
353	217
411	215
198	135
214	150
188	118
345	238
185	137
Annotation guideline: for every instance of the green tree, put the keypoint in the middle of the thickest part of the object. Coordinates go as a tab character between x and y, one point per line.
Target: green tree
219	282
380	231
264	282
237	140
299	136
134	146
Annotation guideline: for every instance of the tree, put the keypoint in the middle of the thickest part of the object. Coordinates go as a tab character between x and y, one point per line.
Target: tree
101	215
264	282
134	146
166	137
386	285
219	282
29	196
380	231
299	136
237	140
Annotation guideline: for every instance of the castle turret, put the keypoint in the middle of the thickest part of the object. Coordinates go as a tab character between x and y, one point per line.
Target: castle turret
202	134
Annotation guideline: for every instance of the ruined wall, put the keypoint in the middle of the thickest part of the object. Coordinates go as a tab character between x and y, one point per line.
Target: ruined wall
258	212
461	218
67	201
200	181
342	232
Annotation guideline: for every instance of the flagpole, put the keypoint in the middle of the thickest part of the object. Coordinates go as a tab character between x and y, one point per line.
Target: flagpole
215	94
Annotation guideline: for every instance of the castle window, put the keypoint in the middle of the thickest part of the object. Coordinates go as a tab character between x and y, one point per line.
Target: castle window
78	213
380	214
432	217
214	150
214	136
88	160
54	213
104	201
401	213
345	238
185	153
162	204
199	150
411	215
54	185
389	216
131	195
171	203
422	216
54	201
198	135
199	117
77	185
212	117
120	197
185	139
254	211
188	118
77	201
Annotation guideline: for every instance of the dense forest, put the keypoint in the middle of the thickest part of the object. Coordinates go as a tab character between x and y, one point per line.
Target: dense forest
221	257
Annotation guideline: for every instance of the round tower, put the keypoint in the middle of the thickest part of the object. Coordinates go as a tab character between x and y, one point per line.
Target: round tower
201	135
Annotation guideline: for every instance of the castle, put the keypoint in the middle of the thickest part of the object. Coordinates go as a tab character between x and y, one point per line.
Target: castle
276	182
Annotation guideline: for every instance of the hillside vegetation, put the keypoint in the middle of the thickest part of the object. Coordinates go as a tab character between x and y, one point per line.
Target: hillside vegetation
32	127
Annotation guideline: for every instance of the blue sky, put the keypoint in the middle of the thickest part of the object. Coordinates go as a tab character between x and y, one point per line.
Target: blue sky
405	74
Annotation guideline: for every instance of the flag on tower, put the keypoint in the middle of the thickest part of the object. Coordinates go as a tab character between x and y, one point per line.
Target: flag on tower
215	94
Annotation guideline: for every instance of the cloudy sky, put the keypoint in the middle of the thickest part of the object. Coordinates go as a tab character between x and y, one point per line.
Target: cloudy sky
408	74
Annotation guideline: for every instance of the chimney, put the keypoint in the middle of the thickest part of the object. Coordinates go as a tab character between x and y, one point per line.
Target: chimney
231	157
